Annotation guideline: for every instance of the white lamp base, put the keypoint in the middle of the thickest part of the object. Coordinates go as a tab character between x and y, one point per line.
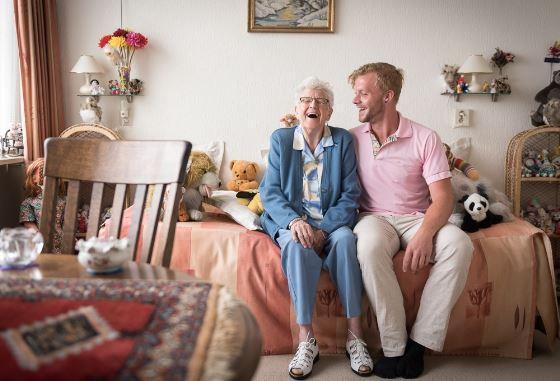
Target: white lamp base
86	87
474	86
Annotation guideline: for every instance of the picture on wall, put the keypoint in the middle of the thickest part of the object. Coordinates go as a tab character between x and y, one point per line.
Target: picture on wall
291	16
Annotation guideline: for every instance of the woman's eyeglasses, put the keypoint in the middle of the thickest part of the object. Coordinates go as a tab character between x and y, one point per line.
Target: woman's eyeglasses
309	100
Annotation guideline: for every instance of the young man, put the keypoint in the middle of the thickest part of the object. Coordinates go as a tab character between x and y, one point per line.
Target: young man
406	201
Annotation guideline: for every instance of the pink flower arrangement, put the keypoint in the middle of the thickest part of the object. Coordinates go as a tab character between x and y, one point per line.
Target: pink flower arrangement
122	44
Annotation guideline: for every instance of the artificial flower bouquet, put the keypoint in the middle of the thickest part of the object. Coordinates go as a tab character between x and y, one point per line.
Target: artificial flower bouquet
120	47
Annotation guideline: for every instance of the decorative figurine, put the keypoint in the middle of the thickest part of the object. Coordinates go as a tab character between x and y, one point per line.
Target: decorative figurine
96	88
90	111
114	88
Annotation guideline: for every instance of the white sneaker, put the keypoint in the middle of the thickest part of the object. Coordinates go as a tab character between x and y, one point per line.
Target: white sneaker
360	360
306	355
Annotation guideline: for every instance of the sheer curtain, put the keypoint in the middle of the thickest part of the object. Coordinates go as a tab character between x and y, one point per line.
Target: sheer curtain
10	88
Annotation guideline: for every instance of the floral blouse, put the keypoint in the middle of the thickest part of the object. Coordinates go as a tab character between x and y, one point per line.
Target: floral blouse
30	211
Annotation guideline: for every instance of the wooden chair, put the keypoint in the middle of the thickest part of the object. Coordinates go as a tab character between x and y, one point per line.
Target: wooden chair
139	163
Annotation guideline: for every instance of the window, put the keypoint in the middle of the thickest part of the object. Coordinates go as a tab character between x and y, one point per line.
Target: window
10	90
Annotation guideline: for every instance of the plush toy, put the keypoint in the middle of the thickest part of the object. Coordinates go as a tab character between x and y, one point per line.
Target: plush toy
463	187
551	112
244	175
256	205
477	213
461	165
289	120
200	182
251	199
552	91
449	78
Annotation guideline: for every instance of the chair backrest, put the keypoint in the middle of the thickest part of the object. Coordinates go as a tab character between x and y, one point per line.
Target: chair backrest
139	163
95	131
90	131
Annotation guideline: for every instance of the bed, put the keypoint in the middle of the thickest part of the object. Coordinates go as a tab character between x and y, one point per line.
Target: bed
510	288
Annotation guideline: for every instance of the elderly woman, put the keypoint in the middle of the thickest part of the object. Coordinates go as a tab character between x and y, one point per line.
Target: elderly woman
310	196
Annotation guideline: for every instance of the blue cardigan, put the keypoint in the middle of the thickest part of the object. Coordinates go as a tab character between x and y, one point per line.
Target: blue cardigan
282	186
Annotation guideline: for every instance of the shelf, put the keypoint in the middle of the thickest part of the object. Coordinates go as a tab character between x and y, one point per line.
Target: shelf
493	96
540	180
128	96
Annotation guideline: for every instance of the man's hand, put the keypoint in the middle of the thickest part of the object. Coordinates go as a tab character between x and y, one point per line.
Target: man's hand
303	233
418	252
319	241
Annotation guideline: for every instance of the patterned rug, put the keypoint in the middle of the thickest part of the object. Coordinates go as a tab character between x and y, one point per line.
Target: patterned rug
104	329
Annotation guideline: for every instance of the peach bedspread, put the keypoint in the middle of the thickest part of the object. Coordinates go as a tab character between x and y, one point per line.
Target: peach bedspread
511	279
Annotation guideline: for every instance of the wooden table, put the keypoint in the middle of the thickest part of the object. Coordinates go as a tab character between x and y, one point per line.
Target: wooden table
68	267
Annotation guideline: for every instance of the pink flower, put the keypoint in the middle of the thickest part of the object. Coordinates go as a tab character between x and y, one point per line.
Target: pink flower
136	40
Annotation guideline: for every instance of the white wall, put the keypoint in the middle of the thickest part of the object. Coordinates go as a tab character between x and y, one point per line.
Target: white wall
206	78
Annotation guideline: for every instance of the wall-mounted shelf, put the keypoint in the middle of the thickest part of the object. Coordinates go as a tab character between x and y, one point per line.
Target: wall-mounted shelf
129	97
493	96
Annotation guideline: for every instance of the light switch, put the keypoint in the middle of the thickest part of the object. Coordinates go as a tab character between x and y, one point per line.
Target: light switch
461	117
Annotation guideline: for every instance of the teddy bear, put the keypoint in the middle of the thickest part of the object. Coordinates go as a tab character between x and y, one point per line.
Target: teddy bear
201	180
552	91
459	164
477	214
244	175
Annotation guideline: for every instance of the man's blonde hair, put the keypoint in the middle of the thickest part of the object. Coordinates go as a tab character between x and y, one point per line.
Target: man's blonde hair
388	76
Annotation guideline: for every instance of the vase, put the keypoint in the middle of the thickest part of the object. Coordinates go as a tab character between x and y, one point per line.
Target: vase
124	78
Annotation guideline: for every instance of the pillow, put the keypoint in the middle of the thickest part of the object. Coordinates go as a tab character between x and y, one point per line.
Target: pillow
213	149
227	202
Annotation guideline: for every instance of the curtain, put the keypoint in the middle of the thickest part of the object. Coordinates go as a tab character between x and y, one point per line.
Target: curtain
9	70
39	55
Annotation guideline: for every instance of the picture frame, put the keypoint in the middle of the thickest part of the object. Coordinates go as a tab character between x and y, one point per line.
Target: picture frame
296	16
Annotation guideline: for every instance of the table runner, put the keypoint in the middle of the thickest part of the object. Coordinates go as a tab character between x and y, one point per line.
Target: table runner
105	329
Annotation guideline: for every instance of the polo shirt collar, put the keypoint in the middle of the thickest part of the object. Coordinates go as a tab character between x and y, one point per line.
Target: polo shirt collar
299	140
403	131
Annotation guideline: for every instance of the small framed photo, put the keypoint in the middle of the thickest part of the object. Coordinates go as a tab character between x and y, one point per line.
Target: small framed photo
291	16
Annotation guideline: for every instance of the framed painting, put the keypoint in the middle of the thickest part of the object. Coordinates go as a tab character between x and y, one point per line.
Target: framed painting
310	16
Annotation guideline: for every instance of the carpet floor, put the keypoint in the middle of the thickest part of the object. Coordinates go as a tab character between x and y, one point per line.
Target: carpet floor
544	366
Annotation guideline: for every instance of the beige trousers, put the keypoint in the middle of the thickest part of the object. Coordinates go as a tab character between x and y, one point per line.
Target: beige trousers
379	239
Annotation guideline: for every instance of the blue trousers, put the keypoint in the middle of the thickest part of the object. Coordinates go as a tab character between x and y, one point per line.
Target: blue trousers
303	266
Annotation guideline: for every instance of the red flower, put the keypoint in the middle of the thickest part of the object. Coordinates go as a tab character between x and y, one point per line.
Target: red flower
136	40
120	33
104	40
554	51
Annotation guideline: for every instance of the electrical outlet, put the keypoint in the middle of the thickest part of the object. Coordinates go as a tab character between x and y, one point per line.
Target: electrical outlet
461	117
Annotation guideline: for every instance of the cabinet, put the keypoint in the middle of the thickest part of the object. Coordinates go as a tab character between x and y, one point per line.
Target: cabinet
523	190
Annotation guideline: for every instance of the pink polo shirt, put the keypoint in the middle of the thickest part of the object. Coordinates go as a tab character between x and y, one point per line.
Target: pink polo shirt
396	180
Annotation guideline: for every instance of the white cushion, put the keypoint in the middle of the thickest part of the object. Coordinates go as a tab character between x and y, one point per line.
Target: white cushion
213	149
227	202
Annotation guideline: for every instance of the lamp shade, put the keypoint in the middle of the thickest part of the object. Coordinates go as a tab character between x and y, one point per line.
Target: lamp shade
475	64
86	64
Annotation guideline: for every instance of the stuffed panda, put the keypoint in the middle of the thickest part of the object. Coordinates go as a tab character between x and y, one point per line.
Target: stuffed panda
477	213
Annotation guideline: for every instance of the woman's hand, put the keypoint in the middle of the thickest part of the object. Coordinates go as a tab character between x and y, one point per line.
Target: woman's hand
303	233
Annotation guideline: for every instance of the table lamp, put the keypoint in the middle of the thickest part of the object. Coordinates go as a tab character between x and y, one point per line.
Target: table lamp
473	65
86	64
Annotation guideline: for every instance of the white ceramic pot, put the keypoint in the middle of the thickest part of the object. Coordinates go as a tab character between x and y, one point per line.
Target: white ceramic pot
101	256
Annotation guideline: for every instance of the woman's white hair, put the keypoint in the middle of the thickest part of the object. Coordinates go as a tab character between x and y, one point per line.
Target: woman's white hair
314	83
